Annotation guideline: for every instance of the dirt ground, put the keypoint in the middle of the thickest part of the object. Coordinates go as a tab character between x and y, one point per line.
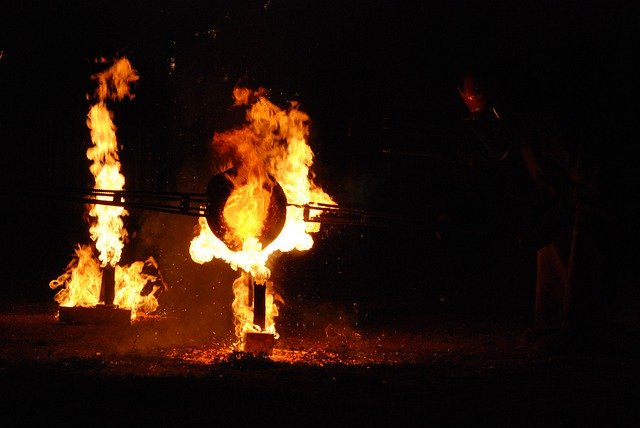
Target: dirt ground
154	371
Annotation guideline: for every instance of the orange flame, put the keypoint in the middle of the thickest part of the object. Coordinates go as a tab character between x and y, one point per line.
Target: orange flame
108	228
272	143
83	276
82	282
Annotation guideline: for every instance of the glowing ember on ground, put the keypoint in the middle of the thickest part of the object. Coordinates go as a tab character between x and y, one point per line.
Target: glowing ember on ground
81	282
271	146
352	349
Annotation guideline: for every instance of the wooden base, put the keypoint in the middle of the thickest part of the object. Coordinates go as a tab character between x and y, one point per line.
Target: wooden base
101	315
259	343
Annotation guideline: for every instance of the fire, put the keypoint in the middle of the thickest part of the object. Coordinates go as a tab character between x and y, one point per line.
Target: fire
82	281
83	276
107	230
271	145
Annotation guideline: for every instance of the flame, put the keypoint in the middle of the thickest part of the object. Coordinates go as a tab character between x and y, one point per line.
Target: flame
272	143
82	281
83	276
107	229
243	308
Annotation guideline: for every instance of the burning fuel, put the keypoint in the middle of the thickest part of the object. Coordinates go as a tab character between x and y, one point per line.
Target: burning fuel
84	280
260	203
270	148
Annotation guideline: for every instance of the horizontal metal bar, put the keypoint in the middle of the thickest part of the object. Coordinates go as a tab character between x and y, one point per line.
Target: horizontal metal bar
195	204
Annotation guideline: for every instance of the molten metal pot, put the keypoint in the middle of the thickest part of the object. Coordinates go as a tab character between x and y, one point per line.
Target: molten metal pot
218	191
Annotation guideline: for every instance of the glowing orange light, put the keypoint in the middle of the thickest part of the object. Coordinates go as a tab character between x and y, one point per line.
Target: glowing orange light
82	278
273	143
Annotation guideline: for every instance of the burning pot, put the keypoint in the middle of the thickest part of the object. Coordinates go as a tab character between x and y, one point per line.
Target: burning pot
227	194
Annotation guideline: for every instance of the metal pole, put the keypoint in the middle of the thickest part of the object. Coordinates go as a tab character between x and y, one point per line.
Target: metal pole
259	301
108	285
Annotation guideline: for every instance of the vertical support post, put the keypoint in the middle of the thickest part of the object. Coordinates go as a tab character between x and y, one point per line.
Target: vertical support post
259	304
108	285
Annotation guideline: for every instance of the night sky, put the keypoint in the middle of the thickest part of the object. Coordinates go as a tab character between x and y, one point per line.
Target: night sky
378	80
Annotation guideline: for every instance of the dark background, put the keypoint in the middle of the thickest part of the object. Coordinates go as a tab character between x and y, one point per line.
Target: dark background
378	80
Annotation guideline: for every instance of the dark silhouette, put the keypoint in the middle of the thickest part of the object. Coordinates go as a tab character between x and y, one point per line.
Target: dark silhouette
569	127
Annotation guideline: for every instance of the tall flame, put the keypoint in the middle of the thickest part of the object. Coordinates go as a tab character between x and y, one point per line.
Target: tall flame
273	143
83	275
108	230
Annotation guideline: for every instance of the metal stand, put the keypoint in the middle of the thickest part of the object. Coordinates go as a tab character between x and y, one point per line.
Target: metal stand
259	343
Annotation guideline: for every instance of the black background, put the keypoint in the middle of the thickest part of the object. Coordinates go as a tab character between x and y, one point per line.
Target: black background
378	80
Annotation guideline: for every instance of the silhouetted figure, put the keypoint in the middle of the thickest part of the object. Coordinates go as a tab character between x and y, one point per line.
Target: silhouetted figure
573	139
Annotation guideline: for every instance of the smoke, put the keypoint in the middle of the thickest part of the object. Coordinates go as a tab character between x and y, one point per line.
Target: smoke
198	295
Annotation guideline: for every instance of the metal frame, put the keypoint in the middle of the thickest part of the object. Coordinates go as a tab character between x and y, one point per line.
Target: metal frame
195	204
